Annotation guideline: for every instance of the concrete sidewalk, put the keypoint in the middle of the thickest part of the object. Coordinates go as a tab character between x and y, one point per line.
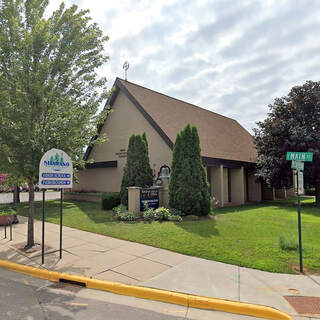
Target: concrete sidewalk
113	259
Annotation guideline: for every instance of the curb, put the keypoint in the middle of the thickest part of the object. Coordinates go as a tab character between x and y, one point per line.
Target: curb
187	300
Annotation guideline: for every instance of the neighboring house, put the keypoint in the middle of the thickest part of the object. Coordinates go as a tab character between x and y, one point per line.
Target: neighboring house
227	148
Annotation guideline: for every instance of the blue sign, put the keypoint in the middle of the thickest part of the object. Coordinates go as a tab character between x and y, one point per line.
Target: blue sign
55	182
56	175
149	196
55	170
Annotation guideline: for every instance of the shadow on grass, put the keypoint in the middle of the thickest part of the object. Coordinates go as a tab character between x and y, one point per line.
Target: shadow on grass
205	227
289	205
52	210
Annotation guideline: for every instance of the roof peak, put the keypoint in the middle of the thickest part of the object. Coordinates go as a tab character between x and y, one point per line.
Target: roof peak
190	104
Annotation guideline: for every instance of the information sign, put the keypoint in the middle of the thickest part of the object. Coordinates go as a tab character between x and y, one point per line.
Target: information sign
151	196
299	165
300	182
55	170
300	156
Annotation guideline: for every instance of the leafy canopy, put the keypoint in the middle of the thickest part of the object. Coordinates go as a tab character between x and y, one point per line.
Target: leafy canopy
49	88
293	124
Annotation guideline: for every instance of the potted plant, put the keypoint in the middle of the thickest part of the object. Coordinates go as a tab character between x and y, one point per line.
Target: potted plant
7	215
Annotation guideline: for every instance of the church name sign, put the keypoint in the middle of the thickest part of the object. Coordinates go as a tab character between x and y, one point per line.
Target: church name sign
122	153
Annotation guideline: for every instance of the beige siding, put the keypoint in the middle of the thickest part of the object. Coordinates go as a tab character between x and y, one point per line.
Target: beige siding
237	186
225	184
254	188
124	121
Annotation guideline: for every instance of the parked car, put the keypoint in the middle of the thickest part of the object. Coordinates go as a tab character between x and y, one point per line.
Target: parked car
36	187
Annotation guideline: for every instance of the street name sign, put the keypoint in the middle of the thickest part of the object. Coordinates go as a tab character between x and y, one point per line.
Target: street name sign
298	165
300	156
55	170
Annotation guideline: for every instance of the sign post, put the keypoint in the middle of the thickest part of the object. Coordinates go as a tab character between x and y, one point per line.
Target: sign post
300	191
298	159
55	172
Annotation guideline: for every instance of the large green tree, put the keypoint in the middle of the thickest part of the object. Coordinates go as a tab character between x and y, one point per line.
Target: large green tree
293	124
137	171
49	87
188	186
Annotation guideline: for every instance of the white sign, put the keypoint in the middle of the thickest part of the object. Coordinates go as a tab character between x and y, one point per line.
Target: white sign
300	182
55	170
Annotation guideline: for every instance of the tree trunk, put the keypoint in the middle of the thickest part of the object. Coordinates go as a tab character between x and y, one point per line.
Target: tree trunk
317	189
30	242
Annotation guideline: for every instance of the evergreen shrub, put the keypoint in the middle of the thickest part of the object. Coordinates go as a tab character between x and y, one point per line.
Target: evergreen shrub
137	171
110	200
188	186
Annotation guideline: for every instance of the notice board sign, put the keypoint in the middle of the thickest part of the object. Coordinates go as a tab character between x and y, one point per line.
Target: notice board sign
151	196
55	170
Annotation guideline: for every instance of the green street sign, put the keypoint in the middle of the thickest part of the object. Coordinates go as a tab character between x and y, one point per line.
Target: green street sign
300	156
299	165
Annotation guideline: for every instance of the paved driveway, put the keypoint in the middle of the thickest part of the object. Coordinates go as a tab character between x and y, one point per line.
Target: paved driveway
24	196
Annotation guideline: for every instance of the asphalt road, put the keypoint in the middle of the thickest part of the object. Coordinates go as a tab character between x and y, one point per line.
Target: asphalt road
24	196
26	298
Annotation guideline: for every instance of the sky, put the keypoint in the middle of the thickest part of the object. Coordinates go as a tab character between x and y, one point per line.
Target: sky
233	57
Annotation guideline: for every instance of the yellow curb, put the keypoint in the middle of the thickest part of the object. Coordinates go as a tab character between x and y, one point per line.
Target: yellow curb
183	299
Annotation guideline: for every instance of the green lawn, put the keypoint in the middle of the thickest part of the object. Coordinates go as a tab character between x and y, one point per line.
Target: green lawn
244	235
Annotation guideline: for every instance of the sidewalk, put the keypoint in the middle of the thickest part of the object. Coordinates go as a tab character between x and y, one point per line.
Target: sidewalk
113	259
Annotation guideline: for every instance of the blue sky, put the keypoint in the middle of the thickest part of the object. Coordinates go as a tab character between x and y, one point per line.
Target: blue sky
233	57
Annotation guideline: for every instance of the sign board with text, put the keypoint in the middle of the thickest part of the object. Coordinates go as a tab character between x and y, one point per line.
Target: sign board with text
55	170
300	183
149	196
300	156
298	165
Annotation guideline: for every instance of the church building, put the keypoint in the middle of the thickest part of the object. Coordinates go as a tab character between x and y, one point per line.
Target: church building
227	149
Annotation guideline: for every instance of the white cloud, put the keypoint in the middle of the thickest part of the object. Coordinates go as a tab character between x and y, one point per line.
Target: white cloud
232	57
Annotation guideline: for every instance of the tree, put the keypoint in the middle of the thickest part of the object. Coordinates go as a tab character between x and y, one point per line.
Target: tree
49	88
293	124
137	171
188	186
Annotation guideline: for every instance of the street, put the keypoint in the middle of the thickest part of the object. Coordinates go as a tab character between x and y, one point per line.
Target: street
24	298
24	196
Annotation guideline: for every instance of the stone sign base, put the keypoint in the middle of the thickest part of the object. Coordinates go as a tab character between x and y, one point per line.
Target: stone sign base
134	198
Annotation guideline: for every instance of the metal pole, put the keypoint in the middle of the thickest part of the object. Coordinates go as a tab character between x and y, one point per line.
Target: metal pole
5	231
61	196
299	225
42	249
10	222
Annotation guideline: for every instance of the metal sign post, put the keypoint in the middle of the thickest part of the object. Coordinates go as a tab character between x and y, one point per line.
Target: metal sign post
61	200
43	201
55	171
299	188
298	159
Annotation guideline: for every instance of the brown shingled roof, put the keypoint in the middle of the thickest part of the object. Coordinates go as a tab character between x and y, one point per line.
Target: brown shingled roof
220	137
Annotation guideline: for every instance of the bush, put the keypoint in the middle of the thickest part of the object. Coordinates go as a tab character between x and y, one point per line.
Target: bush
120	209
288	244
161	214
188	186
174	217
110	200
148	214
176	212
310	192
192	217
137	171
6	211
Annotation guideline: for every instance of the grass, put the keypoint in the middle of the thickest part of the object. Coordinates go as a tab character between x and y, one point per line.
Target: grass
245	235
